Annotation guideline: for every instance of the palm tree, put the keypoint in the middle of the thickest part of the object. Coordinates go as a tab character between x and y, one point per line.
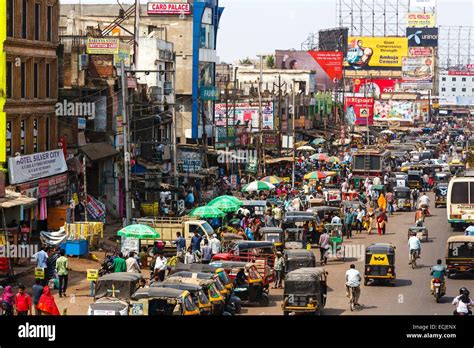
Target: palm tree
270	62
245	61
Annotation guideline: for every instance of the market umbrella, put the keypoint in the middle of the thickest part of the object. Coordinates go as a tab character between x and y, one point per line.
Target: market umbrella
275	180
317	175
387	131
258	186
139	232
305	148
225	197
226	204
330	173
319	157
334	159
318	141
207	212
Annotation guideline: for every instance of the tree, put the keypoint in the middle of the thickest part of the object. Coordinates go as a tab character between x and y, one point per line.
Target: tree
270	62
245	61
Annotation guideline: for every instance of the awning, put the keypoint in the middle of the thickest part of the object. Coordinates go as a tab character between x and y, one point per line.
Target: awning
14	199
278	160
98	151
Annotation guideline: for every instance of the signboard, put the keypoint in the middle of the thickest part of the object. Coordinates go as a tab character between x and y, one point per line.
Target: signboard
35	135
168	8
252	165
334	40
130	244
123	55
359	111
331	62
375	52
36	166
209	93
422	37
81	123
375	86
191	161
102	46
418	69
39	273
22	136
92	275
95	208
460	73
420	52
394	111
270	140
245	113
419	20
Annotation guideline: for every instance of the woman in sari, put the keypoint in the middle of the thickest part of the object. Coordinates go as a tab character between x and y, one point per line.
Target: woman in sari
7	301
46	304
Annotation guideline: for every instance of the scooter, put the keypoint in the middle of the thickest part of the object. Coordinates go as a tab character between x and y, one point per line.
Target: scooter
107	265
438	292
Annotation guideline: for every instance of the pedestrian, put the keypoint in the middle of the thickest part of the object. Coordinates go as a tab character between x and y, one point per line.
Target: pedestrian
196	242
348	220
381	223
37	291
119	264
62	268
324	245
180	245
215	245
206	252
189	257
46	304
160	267
143	257
279	270
8	301
42	260
132	263
359	219
23	301
389	199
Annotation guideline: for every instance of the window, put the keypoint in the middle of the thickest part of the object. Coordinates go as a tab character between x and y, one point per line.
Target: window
9	79
464	89
49	27
453	89
23	80
443	89
24	14
48	80
453	79
10	17
37	21
443	79
459	193
463	79
36	81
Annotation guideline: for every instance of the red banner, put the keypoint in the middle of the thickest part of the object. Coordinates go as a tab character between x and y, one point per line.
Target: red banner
359	111
330	62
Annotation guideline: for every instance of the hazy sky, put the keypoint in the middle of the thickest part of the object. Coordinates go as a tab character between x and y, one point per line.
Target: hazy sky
250	27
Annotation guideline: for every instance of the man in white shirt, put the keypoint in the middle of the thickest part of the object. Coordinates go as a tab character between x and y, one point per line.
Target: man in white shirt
414	244
215	245
376	181
336	220
161	267
353	279
132	263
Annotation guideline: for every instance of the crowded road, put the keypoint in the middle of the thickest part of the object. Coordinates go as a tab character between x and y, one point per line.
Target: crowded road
411	295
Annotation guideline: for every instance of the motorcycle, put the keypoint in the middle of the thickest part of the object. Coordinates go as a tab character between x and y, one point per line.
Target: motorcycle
438	292
107	265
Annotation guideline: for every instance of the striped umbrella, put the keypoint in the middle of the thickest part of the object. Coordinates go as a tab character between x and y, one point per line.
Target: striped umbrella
330	173
319	157
317	175
258	186
275	180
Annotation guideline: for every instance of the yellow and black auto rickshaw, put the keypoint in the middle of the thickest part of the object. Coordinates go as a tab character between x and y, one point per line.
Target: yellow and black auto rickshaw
196	291
380	263
460	255
163	301
456	167
415	179
305	291
441	193
402	197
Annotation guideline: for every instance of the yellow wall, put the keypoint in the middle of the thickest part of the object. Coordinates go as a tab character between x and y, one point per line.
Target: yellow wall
3	82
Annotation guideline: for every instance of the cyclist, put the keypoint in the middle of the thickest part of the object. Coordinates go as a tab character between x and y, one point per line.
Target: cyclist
353	279
415	246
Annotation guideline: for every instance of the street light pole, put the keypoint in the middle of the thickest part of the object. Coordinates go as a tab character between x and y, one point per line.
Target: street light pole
294	136
126	153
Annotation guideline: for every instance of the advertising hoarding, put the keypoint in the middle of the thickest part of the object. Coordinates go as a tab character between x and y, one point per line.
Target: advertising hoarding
331	62
375	86
168	8
366	53
394	111
419	20
245	112
417	69
359	111
422	37
36	166
333	40
103	46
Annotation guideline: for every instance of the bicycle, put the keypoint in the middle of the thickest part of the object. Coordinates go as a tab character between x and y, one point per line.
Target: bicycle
352	298
414	255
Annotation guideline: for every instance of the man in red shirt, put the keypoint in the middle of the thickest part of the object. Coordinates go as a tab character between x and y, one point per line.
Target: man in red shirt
22	301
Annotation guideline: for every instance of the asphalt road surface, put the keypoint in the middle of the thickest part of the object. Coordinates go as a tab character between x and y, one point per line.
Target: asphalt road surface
411	295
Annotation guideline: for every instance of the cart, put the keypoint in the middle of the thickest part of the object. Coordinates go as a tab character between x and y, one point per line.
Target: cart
420	232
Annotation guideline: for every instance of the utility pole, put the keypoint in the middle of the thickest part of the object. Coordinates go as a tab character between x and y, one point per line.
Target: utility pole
136	33
126	153
227	124
174	133
85	187
260	121
279	86
294	136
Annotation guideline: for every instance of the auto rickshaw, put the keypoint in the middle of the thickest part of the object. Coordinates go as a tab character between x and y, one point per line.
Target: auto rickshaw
227	239
197	294
420	232
305	291
163	301
199	267
456	167
336	252
333	197
380	263
402	197
295	259
442	177
113	292
274	235
415	179
441	193
460	255
253	292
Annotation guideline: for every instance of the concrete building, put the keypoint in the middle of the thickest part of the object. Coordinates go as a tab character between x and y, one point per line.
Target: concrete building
456	84
192	30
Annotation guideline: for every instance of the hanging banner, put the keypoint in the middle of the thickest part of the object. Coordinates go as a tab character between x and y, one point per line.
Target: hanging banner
95	208
22	136
245	113
9	139
331	62
36	166
359	111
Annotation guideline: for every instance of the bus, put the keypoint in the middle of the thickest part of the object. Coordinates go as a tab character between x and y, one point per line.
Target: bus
460	200
370	163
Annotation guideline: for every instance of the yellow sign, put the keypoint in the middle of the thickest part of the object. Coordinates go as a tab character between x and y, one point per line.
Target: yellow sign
92	275
379	259
102	46
366	53
39	273
420	20
3	85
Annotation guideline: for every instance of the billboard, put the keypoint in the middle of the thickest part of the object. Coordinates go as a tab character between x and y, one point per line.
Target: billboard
245	112
366	53
3	85
420	52
394	111
375	87
333	40
359	111
103	46
304	60
418	69
331	62
422	37
168	8
419	20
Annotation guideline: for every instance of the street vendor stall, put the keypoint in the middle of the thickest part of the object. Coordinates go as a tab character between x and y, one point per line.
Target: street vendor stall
81	236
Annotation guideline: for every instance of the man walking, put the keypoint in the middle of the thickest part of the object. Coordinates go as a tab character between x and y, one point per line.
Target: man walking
119	264
22	301
215	245
348	220
62	268
132	263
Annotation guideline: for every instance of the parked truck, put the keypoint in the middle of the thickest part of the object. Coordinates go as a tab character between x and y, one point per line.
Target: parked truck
168	226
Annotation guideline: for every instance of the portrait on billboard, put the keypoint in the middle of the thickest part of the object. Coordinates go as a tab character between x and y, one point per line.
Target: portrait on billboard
358	56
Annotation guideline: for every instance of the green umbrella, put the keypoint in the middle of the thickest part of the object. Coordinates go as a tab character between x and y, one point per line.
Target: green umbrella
231	198
225	204
207	212
139	232
258	186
